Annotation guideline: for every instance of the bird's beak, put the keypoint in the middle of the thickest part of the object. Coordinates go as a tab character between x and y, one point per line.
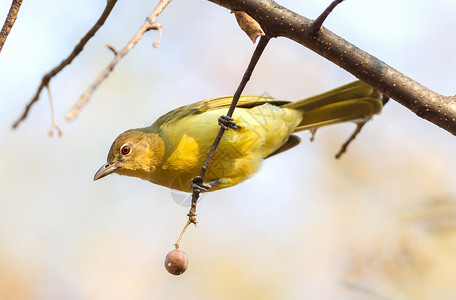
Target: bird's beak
105	170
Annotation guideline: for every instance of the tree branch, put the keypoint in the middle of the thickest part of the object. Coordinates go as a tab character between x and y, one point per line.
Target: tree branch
149	24
278	21
9	22
77	49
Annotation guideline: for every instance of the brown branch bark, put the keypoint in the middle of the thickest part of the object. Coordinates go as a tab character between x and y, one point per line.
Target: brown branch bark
9	22
278	21
77	49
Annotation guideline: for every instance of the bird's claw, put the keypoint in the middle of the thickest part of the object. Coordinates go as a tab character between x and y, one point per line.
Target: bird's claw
228	122
198	185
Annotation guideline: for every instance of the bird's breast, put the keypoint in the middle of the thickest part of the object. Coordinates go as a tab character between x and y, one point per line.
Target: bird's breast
187	142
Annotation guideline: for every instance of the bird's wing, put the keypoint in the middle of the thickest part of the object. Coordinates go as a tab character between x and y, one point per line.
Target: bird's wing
245	101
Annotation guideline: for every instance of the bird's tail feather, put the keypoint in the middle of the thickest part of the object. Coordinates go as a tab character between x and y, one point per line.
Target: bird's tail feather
355	101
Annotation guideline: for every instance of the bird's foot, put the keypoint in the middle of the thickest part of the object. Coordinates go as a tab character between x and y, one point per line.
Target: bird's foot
198	185
228	122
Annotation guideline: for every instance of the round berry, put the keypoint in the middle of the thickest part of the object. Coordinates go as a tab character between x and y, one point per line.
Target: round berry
176	262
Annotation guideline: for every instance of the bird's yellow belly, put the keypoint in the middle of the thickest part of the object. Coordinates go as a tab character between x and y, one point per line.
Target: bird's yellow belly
239	155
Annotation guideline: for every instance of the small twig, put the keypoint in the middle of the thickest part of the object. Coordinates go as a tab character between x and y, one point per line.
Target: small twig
176	245
54	122
248	72
77	49
359	126
111	47
149	24
344	147
158	27
316	25
9	22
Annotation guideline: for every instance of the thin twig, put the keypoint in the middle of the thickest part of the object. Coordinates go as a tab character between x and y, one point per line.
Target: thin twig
9	22
157	41
176	245
316	25
359	126
352	137
111	47
77	49
149	24
248	72
54	124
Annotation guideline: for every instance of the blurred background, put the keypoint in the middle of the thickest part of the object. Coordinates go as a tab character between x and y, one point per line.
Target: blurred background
379	223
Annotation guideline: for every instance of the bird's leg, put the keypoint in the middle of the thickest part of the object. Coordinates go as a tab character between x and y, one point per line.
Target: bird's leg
198	185
228	122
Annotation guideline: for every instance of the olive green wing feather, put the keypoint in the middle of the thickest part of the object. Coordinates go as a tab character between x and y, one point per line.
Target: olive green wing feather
351	102
245	101
355	101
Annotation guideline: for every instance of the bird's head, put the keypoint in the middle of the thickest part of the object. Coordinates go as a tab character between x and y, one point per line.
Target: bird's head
133	153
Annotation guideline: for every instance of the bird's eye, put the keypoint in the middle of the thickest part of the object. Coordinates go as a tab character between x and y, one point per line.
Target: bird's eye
125	150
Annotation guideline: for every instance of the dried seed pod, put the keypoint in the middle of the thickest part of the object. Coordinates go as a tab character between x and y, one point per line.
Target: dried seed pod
248	25
176	262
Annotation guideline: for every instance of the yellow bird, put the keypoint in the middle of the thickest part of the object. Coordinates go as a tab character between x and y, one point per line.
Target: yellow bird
172	150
